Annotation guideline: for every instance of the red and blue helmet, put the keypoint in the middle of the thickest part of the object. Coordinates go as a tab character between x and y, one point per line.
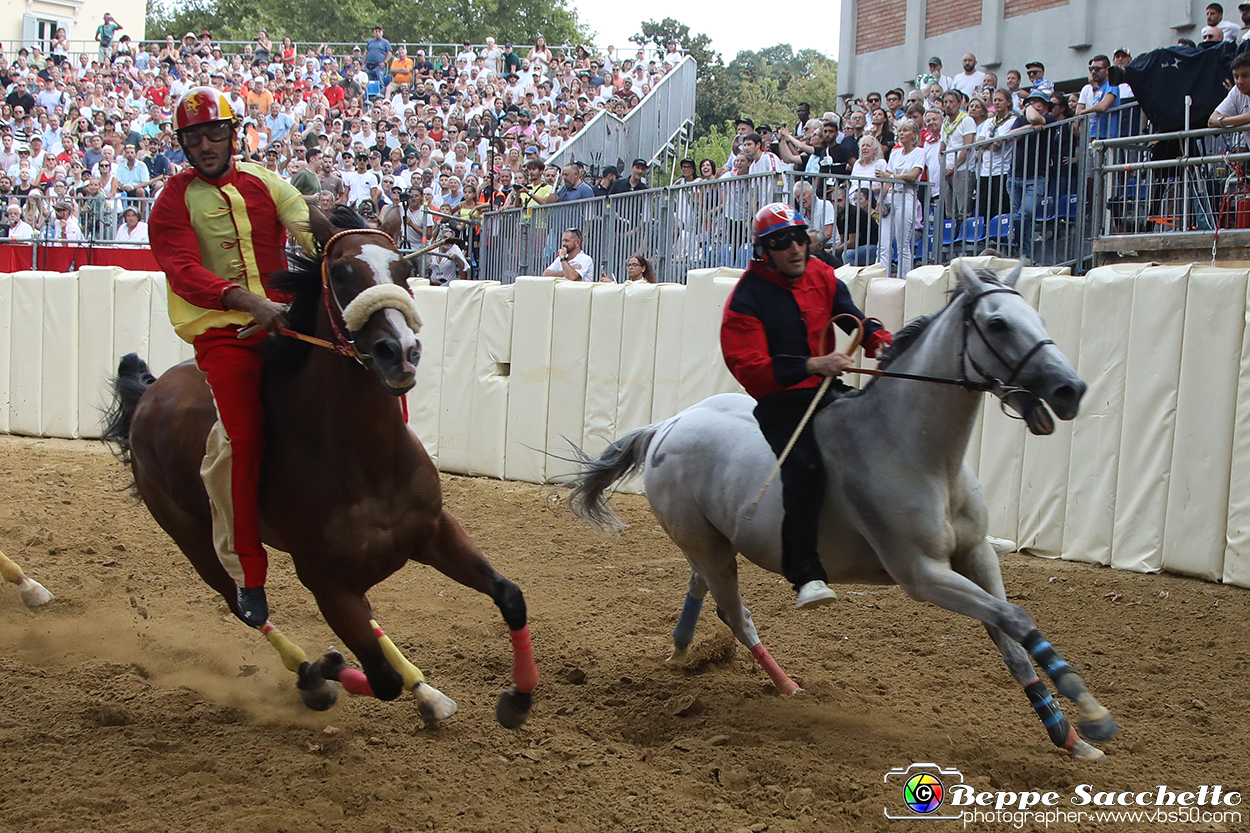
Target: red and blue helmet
774	218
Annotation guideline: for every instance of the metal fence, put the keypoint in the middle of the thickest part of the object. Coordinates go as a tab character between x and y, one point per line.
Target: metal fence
643	133
97	221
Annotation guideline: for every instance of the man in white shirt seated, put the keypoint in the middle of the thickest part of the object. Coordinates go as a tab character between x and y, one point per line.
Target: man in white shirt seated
571	262
18	228
64	226
132	230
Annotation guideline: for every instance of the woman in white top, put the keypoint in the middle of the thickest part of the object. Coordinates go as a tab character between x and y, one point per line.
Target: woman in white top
540	56
869	165
898	199
995	159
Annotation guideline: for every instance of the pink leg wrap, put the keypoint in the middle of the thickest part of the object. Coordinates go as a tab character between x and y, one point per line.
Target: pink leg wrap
354	681
784	684
524	671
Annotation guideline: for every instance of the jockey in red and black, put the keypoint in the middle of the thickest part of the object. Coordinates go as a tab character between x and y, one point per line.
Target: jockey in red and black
770	337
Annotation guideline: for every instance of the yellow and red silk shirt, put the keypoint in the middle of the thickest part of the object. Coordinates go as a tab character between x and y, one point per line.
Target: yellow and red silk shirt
211	235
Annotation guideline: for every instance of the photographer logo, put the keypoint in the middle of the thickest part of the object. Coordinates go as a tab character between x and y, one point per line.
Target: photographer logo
922	788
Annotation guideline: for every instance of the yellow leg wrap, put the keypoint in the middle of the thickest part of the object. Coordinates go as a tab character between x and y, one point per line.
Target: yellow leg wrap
293	656
411	673
9	570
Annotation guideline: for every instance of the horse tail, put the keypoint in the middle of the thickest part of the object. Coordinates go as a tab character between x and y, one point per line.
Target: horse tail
132	379
622	458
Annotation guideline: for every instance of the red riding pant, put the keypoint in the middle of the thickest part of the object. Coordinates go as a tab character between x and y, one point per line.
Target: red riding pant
233	367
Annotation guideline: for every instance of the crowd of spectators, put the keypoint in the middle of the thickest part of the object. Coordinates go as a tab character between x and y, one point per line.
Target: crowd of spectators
442	137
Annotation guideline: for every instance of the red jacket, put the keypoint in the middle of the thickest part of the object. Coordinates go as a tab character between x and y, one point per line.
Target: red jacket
772	327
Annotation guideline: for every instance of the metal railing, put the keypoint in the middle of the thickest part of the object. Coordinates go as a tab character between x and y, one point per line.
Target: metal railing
644	132
1171	183
97	220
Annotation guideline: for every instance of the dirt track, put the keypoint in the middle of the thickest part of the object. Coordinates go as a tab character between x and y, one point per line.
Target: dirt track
136	703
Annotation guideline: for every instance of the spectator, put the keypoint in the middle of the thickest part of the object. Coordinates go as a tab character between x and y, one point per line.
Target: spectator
996	158
452	265
132	230
860	230
17	228
1234	110
958	162
401	74
898	220
869	165
1099	96
132	175
571	262
934	76
1215	17
970	80
104	36
638	268
1244	8
820	214
377	55
1036	71
634	182
687	170
1212	34
64	226
607	178
1033	157
573	188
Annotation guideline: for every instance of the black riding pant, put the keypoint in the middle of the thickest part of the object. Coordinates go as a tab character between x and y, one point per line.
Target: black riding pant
802	478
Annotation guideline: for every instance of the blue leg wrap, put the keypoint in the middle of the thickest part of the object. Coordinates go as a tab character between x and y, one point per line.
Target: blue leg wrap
684	632
1046	656
1048	711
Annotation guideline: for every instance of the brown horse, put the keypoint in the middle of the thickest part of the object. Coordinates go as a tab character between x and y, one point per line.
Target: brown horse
346	488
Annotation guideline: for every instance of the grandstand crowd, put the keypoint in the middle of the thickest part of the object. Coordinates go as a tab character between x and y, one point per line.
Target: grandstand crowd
86	138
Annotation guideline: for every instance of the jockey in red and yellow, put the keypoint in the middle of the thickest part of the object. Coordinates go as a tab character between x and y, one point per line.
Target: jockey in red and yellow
219	231
770	337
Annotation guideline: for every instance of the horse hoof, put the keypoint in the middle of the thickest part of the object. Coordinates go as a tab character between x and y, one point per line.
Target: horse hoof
513	707
1082	751
678	657
320	699
33	593
1099	729
433	705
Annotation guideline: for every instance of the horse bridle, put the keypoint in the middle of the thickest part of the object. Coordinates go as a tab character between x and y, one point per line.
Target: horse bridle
343	344
1002	388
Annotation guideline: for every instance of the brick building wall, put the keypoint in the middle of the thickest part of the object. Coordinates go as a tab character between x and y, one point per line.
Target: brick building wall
942	16
880	24
1015	8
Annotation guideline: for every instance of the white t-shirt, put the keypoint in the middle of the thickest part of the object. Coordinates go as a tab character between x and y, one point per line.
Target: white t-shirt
360	186
902	163
1231	30
125	235
1234	104
870	169
581	262
967	84
995	162
955	134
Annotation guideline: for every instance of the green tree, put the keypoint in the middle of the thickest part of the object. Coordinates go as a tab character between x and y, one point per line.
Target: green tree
713	103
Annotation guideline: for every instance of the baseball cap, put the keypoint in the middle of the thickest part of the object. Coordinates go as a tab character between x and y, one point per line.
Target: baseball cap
610	170
744	120
638	162
1034	65
531	149
935	60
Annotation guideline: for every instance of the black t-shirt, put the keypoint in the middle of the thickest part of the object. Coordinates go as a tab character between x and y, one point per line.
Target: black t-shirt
1036	151
834	160
861	224
622	186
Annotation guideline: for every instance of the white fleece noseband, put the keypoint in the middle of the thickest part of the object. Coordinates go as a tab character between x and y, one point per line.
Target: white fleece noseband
385	296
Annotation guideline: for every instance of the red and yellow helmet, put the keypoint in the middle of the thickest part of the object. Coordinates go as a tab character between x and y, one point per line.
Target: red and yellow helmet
201	105
774	218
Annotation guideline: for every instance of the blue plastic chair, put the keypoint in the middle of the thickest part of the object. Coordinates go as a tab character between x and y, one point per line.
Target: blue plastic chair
1047	210
949	234
973	230
1000	227
1069	206
374	89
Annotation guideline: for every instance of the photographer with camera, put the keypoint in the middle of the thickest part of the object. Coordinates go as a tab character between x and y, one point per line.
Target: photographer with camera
534	191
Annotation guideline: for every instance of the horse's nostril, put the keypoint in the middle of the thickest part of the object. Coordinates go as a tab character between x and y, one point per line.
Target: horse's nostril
1064	393
414	354
386	351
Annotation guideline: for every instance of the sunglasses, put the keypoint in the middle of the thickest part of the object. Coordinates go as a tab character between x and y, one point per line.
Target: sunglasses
786	239
213	132
874	101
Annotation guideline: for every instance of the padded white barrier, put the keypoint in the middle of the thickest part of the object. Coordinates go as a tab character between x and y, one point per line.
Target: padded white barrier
132	315
1044	470
1090	511
1151	376
533	306
1237	552
603	367
96	361
926	291
666	391
857	279
460	376
703	371
58	408
26	354
6	354
885	301
1206	404
488	437
1002	441
165	348
638	356
566	398
425	400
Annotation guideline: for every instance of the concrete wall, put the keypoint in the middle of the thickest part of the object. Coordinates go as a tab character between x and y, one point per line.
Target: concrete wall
1153	475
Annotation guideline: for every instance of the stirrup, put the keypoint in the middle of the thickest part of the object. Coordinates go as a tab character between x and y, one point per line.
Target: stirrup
815	594
253	607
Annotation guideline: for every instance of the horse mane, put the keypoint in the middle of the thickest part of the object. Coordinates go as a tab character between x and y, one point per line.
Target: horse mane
302	281
912	331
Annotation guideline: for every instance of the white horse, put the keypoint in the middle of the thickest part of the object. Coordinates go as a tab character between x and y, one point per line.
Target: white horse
33	593
901	506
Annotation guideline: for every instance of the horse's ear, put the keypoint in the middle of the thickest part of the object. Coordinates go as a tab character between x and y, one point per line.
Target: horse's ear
1014	275
965	274
319	224
390	225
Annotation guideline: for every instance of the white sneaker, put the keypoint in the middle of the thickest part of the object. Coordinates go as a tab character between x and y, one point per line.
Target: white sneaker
815	594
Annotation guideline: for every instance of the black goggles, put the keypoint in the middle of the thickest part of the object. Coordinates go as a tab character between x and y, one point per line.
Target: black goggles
214	131
785	239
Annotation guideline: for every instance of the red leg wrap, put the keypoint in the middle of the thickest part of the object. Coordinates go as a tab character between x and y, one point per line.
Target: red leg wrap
524	671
